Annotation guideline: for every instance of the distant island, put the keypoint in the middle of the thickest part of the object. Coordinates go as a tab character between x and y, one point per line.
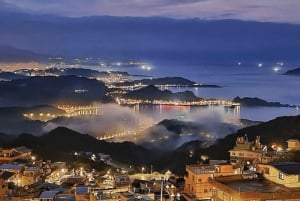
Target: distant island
250	101
167	82
295	71
151	92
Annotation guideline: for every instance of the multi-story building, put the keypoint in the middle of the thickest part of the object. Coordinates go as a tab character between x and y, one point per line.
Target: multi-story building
284	173
247	155
249	188
13	154
31	175
198	176
293	144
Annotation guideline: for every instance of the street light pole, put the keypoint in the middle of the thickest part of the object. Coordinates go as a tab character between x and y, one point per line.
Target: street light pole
161	188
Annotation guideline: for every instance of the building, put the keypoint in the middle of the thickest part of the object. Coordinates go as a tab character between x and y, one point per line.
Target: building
121	180
11	155
3	189
82	193
31	175
284	173
293	145
247	155
198	176
241	188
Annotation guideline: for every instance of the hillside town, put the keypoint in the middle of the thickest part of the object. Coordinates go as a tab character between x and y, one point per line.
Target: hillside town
254	172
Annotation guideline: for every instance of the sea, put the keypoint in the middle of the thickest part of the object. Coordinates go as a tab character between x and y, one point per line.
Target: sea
256	79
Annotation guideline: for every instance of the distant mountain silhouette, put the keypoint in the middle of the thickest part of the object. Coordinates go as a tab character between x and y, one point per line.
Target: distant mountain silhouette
84	72
13	121
61	142
249	101
295	71
11	54
171	81
152	38
151	92
51	90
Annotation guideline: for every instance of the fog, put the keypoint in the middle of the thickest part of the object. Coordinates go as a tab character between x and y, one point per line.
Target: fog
143	125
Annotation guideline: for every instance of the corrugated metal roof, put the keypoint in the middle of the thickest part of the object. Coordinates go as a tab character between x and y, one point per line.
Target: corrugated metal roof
48	194
287	167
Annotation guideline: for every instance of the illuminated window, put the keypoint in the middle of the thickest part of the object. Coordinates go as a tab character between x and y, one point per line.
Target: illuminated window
281	176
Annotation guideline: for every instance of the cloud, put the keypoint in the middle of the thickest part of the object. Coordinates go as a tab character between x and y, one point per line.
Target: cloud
263	10
113	119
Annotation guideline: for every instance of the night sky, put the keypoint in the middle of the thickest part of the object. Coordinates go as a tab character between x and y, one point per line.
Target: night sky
285	11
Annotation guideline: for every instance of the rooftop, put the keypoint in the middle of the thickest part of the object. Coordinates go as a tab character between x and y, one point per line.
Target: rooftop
287	167
263	186
48	194
32	168
6	175
11	166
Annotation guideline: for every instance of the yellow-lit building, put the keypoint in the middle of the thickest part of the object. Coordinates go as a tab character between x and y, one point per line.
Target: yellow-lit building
197	179
10	155
30	176
247	155
3	189
284	173
293	144
249	188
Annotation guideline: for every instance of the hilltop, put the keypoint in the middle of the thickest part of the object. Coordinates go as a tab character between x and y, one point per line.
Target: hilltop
249	101
166	81
153	93
60	143
295	72
51	90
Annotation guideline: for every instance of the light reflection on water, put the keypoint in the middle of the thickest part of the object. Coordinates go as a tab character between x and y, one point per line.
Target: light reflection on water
226	114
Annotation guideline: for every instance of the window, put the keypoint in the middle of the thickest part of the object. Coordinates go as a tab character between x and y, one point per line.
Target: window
281	176
205	190
199	180
267	170
298	178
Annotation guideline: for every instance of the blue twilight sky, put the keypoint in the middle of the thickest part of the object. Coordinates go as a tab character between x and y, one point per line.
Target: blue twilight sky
286	11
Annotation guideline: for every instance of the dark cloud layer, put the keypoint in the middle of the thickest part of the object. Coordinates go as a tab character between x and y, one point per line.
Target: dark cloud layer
258	10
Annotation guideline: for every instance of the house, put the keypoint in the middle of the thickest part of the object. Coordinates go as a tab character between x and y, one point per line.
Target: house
8	176
284	173
82	193
247	155
293	144
197	178
16	168
13	154
121	180
3	189
239	188
31	175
